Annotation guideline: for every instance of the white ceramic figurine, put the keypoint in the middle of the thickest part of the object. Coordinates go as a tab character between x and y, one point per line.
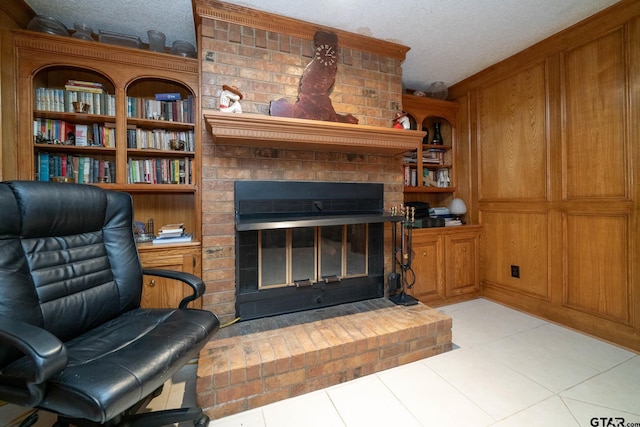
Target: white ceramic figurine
230	99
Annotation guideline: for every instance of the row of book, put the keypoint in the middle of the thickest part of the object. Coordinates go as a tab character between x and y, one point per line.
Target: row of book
61	100
158	139
430	177
179	110
435	157
160	171
82	169
62	132
172	233
429	156
99	102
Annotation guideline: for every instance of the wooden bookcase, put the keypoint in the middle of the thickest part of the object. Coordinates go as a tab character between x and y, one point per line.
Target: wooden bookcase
423	114
164	182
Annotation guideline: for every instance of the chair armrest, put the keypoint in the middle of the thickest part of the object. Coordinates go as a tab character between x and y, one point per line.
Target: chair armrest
21	381
193	281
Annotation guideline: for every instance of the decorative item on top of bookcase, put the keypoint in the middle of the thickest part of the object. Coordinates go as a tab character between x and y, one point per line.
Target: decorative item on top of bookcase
157	40
82	31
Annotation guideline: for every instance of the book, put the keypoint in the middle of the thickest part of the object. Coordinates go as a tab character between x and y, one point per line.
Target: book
75	88
43	159
171	228
181	239
170	234
82	135
83	83
168	97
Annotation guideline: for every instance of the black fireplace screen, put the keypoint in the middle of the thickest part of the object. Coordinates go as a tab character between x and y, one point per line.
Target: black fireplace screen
307	245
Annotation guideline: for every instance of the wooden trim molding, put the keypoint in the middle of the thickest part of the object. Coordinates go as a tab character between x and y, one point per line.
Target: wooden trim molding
24	39
18	11
267	131
253	18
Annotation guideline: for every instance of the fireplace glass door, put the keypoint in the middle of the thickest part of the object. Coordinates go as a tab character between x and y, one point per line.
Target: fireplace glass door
306	255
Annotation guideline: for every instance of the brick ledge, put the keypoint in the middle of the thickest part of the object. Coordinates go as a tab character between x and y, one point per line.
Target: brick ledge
266	360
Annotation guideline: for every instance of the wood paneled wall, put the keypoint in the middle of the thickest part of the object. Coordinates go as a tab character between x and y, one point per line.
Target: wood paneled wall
13	14
553	160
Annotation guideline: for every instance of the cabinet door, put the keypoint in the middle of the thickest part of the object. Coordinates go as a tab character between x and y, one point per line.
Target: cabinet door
427	265
461	264
160	292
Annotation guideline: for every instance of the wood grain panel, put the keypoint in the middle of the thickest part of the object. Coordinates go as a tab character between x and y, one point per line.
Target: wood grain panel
521	239
596	263
428	267
594	115
461	264
512	137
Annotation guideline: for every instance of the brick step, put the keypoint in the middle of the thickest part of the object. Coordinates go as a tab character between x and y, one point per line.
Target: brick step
250	364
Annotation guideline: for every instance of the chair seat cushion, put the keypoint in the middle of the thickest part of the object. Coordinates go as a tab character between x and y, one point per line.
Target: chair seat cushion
126	359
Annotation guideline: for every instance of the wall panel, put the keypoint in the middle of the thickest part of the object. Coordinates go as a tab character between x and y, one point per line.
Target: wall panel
596	263
594	110
510	238
512	137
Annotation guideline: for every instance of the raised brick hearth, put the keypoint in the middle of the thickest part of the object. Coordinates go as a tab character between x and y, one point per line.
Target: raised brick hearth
250	364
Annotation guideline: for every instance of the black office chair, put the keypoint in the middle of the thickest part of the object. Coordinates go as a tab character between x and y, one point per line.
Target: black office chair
73	338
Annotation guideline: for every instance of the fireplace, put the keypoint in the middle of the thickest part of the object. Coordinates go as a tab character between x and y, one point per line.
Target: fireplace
305	245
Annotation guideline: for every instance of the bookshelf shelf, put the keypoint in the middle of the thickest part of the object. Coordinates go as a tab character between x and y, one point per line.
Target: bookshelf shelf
154	124
424	189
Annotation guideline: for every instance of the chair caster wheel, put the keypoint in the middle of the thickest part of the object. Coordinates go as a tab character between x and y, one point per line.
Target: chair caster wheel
30	420
202	422
157	392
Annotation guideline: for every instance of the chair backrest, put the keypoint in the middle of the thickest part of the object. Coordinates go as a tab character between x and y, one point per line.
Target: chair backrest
68	258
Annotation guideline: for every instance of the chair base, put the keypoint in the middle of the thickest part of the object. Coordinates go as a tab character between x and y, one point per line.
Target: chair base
149	419
132	417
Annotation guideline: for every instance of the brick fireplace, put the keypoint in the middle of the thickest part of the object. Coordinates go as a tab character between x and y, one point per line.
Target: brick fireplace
259	361
264	58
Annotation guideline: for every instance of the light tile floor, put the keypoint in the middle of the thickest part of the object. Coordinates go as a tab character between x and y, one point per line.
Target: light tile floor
507	369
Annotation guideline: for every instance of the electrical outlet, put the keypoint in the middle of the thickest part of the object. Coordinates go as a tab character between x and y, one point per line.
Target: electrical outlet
515	271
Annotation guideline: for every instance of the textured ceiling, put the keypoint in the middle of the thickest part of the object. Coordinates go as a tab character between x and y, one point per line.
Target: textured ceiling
449	39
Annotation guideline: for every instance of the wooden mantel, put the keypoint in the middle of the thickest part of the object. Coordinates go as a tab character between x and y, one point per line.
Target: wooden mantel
280	132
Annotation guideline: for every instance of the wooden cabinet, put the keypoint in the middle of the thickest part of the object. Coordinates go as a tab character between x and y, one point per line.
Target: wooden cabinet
430	172
428	266
163	292
445	264
126	139
461	263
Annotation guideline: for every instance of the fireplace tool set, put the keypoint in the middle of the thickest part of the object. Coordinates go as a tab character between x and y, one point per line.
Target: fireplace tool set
402	256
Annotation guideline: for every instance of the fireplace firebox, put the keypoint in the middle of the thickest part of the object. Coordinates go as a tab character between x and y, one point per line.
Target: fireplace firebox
306	245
